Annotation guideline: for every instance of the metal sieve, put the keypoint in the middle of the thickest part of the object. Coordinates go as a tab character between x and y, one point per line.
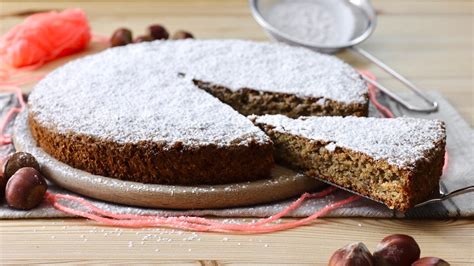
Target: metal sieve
362	23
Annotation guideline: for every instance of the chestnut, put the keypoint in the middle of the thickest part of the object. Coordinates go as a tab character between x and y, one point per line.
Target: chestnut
397	249
121	37
430	261
355	254
181	34
3	184
158	32
19	160
25	189
143	38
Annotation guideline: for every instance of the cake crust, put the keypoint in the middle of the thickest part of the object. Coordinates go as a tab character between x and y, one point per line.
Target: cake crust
154	162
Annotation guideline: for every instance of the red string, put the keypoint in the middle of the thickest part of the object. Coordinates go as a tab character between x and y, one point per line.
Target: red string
291	207
196	223
44	37
6	138
446	160
373	95
13	87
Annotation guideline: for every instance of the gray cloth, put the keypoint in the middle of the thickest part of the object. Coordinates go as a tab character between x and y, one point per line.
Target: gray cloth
460	145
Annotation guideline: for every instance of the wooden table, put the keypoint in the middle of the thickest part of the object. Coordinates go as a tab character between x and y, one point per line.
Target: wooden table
431	41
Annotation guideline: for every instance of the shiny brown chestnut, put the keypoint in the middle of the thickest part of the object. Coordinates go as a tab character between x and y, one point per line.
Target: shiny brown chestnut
430	261
19	160
355	254
181	34
158	32
25	189
396	250
121	37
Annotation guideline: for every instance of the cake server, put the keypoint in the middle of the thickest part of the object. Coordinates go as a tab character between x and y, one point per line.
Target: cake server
442	196
365	20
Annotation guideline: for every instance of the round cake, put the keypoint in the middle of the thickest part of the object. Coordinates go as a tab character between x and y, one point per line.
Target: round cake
156	112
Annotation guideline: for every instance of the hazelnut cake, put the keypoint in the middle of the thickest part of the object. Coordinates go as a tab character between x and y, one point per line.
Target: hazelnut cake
147	112
397	161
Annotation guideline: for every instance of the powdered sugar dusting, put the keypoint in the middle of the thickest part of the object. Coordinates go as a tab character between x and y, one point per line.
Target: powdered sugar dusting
317	22
269	67
306	20
400	141
330	147
134	93
119	95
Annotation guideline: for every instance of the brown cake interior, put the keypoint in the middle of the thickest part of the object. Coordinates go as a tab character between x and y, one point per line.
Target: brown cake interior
249	101
398	188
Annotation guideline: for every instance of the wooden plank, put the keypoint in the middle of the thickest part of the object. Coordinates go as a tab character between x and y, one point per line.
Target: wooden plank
385	7
396	40
48	241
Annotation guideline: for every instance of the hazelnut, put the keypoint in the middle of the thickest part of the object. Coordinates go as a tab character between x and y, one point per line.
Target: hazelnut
397	250
25	189
355	254
19	160
158	32
143	38
430	261
181	34
121	37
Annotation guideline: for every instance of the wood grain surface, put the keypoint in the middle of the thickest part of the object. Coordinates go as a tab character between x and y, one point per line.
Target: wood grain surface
430	41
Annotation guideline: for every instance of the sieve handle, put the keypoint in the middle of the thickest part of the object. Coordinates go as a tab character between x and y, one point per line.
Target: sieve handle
448	195
433	105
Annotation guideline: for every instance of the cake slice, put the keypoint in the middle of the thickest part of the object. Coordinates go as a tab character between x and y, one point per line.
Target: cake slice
396	161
